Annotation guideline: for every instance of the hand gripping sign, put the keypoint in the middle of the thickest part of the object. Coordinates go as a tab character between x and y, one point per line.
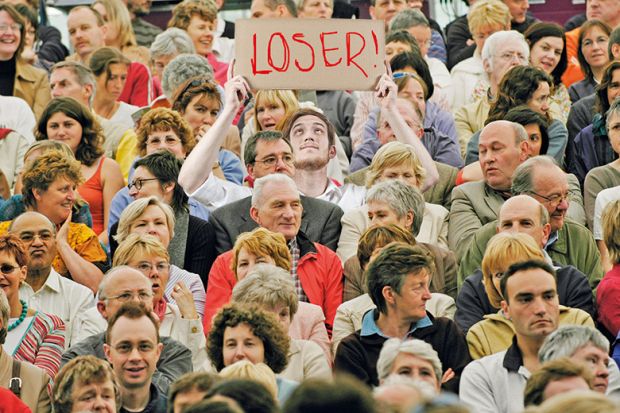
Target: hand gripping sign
315	54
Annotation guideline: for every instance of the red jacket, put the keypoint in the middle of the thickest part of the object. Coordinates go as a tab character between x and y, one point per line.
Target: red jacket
138	87
319	270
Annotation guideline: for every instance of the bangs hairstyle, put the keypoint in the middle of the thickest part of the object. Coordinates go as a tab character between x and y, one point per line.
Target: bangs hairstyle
378	237
19	19
90	147
611	230
261	242
192	87
269	287
516	88
391	155
268	98
585	28
183	12
118	16
488	13
43	171
290	121
163	120
407	61
82	371
601	100
503	250
403	81
103	57
11	245
263	325
134	210
403	36
136	245
545	29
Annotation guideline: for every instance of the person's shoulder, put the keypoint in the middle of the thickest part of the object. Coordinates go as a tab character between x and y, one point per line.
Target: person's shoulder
572	227
29	72
312	204
52	321
239	207
475	187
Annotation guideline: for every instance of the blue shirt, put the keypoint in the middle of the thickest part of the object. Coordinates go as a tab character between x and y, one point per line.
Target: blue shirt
370	327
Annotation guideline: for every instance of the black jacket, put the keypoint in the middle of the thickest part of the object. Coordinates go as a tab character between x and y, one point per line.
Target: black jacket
473	303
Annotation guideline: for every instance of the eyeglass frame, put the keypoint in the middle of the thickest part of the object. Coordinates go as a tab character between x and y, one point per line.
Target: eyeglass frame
267	161
133	294
13	268
14	27
139	183
550	199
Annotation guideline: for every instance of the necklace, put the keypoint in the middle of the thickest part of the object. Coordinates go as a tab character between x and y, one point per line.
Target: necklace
22	316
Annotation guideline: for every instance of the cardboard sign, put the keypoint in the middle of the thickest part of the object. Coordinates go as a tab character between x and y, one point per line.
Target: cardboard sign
314	54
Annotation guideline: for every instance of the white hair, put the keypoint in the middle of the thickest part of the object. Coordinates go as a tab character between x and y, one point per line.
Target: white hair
259	185
498	38
394	346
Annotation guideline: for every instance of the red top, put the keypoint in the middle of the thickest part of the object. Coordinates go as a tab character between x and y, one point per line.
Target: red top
220	69
138	87
92	192
608	300
573	73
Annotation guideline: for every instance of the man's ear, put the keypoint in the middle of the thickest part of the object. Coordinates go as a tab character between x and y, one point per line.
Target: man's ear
102	310
546	233
525	150
615	50
106	351
250	168
505	309
254	214
88	90
332	152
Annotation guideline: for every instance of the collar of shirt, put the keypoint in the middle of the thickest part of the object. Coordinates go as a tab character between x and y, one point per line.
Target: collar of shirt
292	244
553	237
52	283
221	25
370	327
513	360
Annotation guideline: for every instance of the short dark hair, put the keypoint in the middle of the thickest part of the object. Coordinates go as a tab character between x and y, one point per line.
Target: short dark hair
200	381
288	125
524	115
390	268
602	103
249	152
166	167
343	395
417	62
211	406
524	266
250	395
133	311
403	36
551	371
263	325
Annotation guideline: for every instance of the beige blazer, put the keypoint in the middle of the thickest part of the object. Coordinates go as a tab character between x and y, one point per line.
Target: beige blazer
34	383
32	85
309	324
306	361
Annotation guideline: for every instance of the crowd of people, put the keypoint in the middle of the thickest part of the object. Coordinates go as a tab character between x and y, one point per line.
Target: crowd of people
172	240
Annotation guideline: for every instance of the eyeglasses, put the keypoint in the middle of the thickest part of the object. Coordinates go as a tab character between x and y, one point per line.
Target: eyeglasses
7	269
287	158
510	56
126	348
552	199
142	295
15	27
147	267
139	182
168	140
29	237
193	83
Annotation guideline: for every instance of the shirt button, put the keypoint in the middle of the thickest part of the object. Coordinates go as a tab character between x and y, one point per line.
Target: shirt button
194	330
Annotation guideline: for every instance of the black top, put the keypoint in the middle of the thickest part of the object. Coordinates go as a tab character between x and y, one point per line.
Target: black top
157	403
7	77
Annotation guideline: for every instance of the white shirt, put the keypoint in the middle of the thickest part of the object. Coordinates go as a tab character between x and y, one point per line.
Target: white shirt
347	196
123	115
602	199
465	76
59	296
16	114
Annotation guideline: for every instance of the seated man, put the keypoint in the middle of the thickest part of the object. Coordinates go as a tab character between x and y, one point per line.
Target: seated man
133	347
349	314
46	290
569	243
556	377
316	270
265	153
519	214
503	146
495	383
398	283
588	347
120	285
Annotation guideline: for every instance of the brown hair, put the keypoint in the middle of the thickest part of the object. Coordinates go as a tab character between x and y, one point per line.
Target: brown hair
288	125
555	370
183	12
263	243
11	245
133	311
164	119
378	237
585	28
11	11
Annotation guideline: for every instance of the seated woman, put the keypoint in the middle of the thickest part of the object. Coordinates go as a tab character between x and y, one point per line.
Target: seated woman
111	68
153	217
50	187
249	333
394	161
356	300
160	129
591	147
31	335
524	85
176	310
66	120
199	101
251	248
607	291
479	301
273	289
76	380
20	78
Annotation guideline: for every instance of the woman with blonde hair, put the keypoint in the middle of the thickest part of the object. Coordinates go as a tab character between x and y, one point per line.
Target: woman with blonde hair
607	291
260	246
489	331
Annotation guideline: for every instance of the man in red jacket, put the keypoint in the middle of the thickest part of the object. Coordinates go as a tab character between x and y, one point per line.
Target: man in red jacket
316	270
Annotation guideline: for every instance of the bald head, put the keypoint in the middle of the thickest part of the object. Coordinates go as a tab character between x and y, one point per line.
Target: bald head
119	282
38	234
31	217
524	214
